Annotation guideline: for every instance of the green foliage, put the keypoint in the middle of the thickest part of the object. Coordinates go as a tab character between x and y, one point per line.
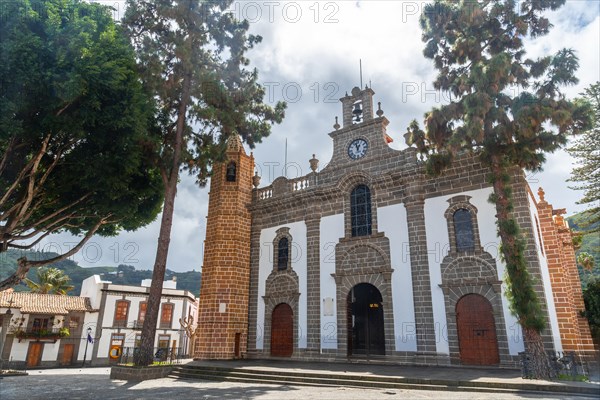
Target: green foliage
591	298
478	49
76	125
192	58
586	260
50	281
523	300
576	378
590	245
586	150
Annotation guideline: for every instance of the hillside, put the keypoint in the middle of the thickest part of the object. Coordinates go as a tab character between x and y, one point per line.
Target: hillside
590	244
123	274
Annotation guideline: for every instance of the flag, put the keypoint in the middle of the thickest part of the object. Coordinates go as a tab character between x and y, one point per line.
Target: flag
89	338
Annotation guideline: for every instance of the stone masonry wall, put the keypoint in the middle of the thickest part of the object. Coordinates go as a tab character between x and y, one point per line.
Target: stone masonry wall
223	310
566	286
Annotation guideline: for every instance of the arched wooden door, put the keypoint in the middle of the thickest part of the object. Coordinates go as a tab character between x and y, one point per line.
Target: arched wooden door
282	331
476	327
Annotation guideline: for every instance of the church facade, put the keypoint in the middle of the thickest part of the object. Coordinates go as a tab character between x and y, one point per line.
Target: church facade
371	258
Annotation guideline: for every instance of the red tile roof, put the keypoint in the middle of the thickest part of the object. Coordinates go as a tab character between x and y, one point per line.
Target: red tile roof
33	303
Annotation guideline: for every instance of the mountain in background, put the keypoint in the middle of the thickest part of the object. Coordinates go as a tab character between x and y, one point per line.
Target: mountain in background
590	244
121	275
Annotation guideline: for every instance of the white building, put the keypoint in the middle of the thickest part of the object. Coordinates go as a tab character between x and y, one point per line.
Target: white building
45	329
122	310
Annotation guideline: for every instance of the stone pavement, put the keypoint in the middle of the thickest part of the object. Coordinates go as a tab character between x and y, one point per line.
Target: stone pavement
94	383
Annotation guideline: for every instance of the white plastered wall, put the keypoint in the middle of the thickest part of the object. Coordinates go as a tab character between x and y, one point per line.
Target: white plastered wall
331	230
545	276
393	222
90	320
50	352
18	351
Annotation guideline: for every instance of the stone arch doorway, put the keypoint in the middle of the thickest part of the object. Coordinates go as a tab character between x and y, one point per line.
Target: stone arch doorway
282	331
477	340
366	334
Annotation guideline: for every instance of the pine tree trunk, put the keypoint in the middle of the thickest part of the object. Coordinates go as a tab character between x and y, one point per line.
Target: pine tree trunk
521	285
540	366
145	355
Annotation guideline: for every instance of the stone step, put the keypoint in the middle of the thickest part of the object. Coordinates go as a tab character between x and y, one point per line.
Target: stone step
324	382
280	377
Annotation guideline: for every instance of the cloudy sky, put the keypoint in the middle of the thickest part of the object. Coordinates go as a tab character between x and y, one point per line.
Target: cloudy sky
309	57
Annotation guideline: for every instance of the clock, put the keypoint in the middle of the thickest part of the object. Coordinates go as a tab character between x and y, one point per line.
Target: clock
358	149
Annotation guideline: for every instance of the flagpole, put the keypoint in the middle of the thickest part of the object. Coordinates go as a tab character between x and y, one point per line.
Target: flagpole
285	160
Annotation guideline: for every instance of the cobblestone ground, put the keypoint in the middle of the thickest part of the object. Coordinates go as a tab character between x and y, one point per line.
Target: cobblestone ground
94	383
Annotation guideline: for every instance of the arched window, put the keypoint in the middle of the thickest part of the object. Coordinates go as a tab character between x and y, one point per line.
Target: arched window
282	254
463	230
230	176
360	211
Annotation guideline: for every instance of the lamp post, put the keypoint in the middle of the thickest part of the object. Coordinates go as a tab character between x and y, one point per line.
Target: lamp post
87	340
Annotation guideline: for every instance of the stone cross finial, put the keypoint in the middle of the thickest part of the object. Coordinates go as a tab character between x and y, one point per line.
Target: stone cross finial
542	194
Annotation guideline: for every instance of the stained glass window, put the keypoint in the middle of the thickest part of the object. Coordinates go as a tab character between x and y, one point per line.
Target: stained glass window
282	254
463	230
360	212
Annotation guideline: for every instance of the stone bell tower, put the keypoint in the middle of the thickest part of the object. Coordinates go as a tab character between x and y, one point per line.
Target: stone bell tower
223	311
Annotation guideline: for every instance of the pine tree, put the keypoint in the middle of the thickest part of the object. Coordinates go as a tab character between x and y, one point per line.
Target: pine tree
192	58
506	108
586	150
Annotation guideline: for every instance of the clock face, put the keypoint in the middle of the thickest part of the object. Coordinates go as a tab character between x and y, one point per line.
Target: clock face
358	149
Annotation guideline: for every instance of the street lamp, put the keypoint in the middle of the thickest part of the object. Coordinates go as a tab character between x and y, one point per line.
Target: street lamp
87	340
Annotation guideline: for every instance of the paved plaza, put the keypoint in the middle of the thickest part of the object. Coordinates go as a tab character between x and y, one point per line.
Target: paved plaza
94	383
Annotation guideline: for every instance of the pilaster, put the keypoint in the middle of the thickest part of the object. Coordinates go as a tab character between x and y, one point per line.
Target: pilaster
313	237
419	261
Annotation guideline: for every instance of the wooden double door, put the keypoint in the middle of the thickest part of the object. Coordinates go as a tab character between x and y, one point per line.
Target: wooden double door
67	355
282	331
34	354
476	327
